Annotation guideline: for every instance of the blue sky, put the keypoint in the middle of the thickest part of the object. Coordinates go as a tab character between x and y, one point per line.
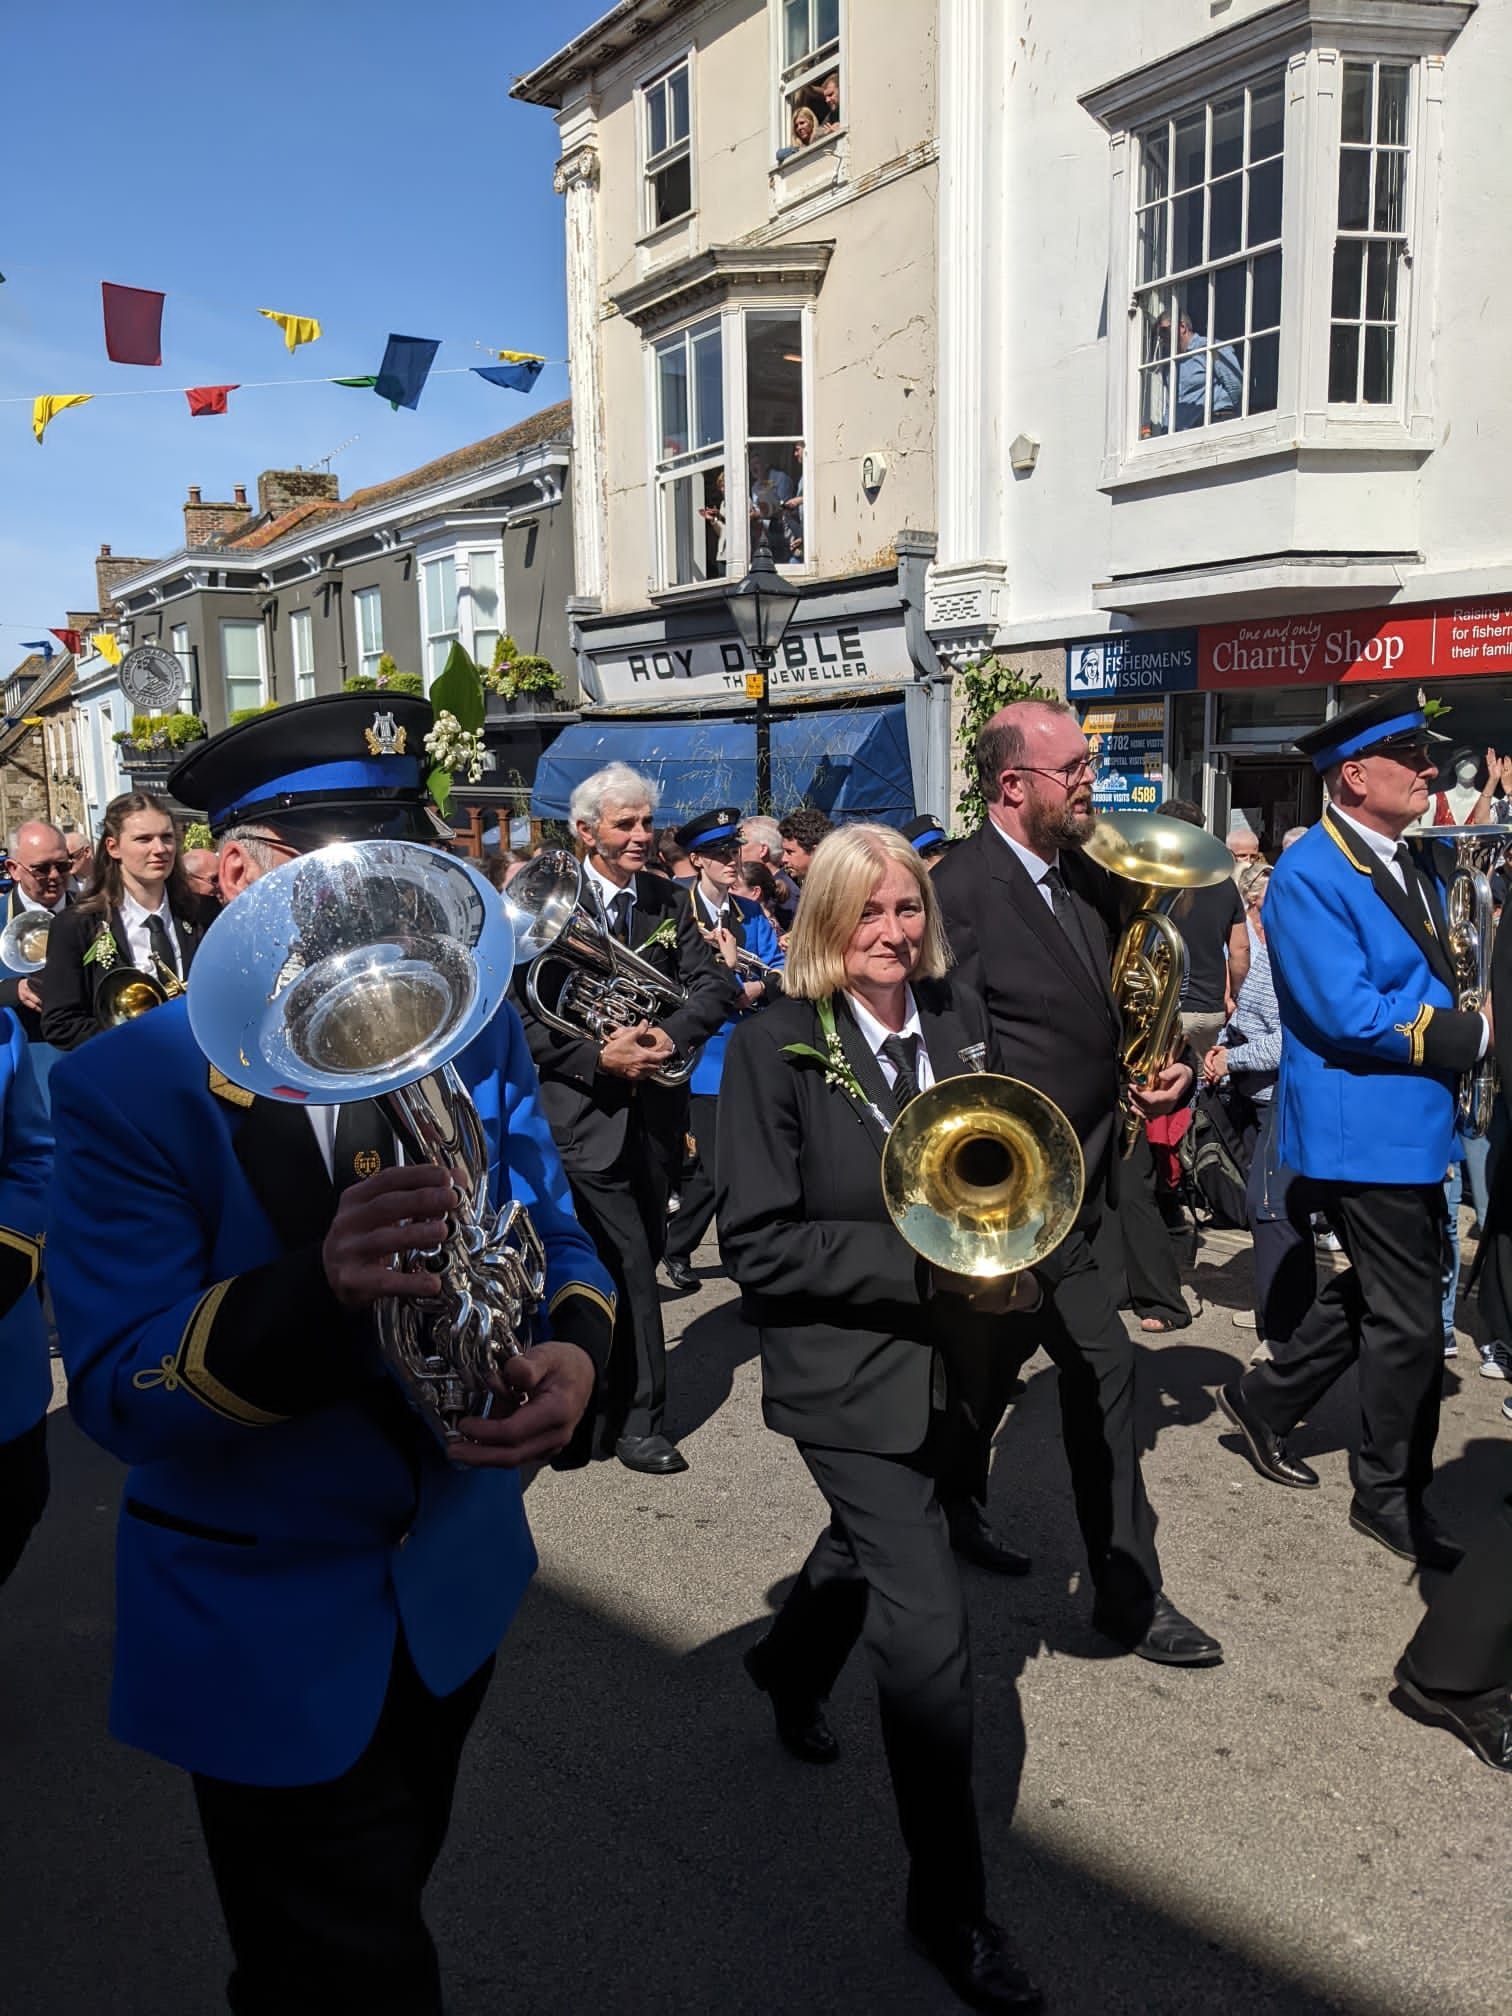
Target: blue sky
356	160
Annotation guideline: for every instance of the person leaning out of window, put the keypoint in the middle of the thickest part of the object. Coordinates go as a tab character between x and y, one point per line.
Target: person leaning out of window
137	912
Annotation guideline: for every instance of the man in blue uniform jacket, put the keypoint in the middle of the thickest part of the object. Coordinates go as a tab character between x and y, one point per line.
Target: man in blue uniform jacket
25	1373
309	1595
1371	1051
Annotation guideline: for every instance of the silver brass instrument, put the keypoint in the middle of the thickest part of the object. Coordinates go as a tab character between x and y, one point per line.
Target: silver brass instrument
23	942
605	986
1167	857
1471	911
359	972
748	966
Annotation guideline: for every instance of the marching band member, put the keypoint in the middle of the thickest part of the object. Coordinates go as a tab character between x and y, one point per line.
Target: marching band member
1031	923
38	864
856	1335
309	1596
25	1372
1372	1046
620	1133
138	911
732	924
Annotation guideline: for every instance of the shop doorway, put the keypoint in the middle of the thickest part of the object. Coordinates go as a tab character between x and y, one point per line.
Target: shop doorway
1272	791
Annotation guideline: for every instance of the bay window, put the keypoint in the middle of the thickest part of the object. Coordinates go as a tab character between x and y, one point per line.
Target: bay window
1372	241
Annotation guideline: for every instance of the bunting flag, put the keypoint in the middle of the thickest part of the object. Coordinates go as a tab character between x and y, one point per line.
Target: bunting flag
39	644
359	384
105	642
207	398
71	640
133	324
406	366
516	374
297	328
50	405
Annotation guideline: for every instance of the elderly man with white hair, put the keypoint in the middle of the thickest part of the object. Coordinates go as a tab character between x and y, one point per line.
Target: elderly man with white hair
619	1131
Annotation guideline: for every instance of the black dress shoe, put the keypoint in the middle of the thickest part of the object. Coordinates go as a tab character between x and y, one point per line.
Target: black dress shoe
974	1540
977	1961
1416	1540
681	1275
1164	1636
1267	1452
801	1728
1484	1721
653	1454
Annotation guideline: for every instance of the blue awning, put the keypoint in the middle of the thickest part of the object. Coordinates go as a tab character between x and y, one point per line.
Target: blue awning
851	763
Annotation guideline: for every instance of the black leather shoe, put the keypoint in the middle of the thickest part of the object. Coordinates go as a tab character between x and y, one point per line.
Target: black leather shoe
801	1728
681	1275
977	1961
1267	1452
653	1454
1166	1638
1484	1721
1410	1540
974	1540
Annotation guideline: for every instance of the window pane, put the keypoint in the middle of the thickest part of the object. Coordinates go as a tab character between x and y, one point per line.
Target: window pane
1349	259
672	399
1223	220
774	376
1354	113
1152	243
1228	136
1343	365
240	653
1229	290
1154	401
1391	106
1390	191
1228	382
708	388
672	191
694	540
441	594
1265	309
1264	204
1380	344
483	647
1267	112
656	121
1156	327
827	22
369	605
677	92
1187	248
794	31
1354	190
301	637
1155	158
1264	369
1381	283
483	574
1191	146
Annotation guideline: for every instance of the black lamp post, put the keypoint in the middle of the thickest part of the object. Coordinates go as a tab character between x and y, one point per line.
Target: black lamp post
761	608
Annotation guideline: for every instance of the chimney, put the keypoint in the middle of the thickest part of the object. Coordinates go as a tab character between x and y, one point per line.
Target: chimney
212	524
108	571
239	492
105	550
280	490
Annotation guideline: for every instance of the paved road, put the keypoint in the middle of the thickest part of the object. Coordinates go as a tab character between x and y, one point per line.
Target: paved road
1269	1836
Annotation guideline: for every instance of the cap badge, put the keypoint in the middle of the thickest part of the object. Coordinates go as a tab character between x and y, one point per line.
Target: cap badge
383	738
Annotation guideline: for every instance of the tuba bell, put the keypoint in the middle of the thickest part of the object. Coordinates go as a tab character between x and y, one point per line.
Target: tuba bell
1470	908
360	971
23	942
605	986
1167	857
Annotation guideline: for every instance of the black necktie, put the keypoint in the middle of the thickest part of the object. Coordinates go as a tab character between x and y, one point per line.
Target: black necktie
162	945
902	1052
1416	883
619	916
1063	903
364	1143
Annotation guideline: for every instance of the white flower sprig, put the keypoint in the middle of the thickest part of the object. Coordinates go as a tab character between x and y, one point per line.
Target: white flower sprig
456	748
834	1063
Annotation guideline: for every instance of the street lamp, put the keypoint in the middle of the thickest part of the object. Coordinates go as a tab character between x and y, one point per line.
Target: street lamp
761	608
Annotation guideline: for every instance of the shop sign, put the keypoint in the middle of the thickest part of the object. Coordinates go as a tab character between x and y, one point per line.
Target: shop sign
1432	640
1135	661
867	651
1128	747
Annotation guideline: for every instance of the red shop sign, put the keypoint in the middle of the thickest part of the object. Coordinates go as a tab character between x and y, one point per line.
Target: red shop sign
1434	640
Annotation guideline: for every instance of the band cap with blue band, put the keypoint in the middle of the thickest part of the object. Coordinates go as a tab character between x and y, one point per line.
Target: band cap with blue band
1389	717
708	829
371	773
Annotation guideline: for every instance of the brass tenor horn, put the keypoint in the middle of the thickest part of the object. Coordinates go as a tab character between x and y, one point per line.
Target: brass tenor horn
1166	857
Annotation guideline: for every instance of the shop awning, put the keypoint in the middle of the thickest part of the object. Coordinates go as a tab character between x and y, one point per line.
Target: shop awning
852	763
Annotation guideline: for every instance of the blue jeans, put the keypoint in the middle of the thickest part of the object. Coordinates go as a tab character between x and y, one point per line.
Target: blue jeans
1477	1154
1454	1190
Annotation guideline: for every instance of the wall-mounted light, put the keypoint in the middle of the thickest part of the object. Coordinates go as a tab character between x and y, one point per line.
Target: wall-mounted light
1023	454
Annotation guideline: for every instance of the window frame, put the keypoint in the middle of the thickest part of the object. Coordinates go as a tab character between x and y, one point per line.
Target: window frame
304	675
370	596
790	78
260	630
185	654
659	77
429	637
1369	236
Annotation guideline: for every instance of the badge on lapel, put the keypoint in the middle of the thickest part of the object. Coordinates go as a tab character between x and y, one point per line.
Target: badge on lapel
367	1162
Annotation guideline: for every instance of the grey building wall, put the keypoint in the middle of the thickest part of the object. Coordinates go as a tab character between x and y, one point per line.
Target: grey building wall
537	584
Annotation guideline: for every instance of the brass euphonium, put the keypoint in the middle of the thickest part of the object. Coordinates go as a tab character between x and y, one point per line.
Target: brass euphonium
1167	857
1471	911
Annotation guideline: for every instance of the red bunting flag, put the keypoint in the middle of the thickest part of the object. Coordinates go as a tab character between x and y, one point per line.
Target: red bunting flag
133	324
71	640
207	398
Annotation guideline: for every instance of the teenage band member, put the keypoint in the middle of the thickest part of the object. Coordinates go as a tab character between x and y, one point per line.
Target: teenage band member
138	911
1372	1045
732	924
856	1335
25	1373
619	1132
309	1594
1031	921
928	838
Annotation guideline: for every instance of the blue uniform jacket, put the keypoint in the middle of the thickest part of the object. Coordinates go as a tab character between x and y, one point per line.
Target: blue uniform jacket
26	1153
285	1512
1372	1042
756	935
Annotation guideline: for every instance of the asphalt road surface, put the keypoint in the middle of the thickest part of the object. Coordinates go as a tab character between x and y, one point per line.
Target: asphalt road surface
1268	1836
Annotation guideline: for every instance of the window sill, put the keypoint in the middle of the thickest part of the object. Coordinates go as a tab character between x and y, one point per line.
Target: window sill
1317	435
667	243
716	591
806	171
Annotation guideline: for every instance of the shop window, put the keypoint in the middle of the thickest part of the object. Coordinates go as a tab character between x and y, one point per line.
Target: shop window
811	105
1370	251
367	609
666	147
438	595
302	640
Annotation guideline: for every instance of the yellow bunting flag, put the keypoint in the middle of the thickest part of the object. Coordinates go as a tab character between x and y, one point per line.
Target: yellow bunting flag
297	328
519	357
105	642
50	405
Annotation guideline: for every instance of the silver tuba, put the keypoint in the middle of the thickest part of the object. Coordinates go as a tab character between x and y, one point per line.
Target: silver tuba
606	986
23	942
359	972
1471	910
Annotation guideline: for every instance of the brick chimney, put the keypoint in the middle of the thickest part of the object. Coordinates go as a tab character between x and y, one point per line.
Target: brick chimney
109	570
207	524
279	490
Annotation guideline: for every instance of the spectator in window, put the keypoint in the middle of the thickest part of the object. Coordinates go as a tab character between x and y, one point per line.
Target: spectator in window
1192	375
1212	927
829	101
801	833
770	490
792	510
805	126
714	514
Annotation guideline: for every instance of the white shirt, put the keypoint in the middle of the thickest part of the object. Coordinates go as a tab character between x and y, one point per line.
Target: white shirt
31	903
1036	864
876	1034
607	891
134	922
322	1121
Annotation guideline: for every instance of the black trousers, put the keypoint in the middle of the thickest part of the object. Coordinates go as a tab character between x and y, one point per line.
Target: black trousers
321	1885
1280	1222
1148	1251
23	1492
1464	1643
695	1206
1384	1313
882	1571
623	1210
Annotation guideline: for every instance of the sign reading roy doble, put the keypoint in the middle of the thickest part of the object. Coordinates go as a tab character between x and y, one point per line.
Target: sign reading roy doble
865	651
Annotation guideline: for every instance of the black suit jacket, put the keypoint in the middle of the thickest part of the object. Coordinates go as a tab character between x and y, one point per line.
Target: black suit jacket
849	1328
10	983
1055	1021
68	985
589	1109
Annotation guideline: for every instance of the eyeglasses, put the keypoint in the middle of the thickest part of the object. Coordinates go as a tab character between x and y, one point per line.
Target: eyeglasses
1068	774
46	867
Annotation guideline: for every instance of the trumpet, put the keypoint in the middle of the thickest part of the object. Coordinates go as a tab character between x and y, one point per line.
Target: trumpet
23	942
1471	912
125	992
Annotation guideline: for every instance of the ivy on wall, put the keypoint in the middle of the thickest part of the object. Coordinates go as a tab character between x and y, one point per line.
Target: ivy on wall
987	686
